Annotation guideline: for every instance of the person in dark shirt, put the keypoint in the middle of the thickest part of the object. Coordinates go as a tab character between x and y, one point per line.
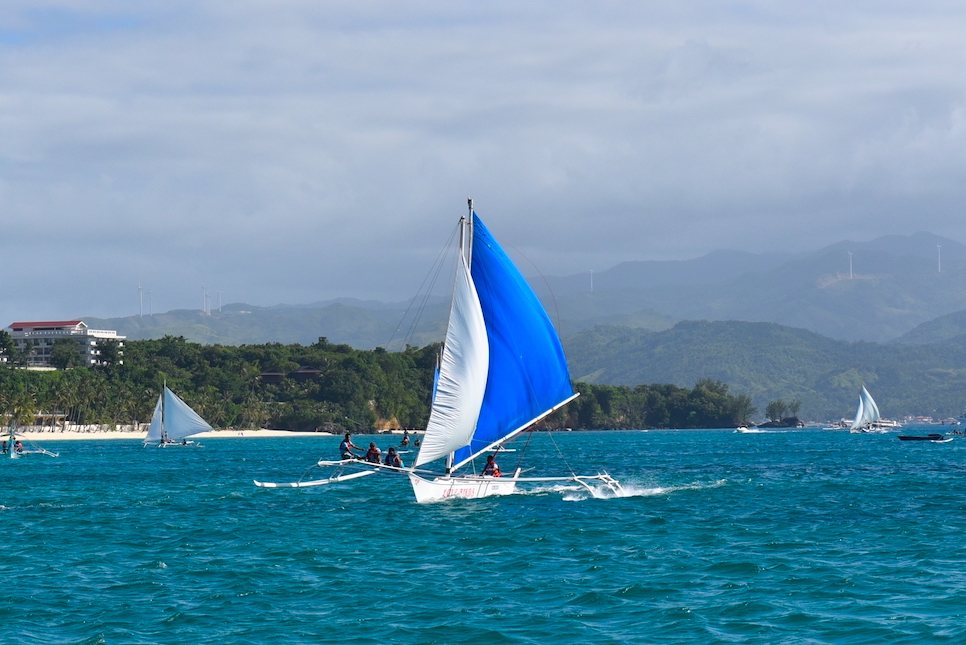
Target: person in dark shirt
346	448
393	459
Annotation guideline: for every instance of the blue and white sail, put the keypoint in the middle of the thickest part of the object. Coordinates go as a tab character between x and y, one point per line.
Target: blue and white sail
524	374
867	411
174	419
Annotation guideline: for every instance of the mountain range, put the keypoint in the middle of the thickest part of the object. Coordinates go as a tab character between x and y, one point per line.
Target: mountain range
890	313
873	291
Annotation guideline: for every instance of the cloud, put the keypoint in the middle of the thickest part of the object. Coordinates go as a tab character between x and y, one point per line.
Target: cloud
290	152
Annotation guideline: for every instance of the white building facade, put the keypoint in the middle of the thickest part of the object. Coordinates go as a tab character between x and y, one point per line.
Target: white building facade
39	338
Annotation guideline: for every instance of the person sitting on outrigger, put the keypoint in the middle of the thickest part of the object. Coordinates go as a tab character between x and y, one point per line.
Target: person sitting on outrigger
405	439
491	469
392	458
373	455
346	447
17	447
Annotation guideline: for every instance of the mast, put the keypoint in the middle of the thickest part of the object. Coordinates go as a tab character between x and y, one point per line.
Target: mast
469	232
466	251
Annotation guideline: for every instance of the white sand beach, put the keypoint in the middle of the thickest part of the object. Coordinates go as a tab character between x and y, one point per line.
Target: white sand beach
98	432
130	433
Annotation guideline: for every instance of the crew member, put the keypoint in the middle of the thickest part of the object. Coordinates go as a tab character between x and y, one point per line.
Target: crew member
346	448
392	458
373	455
491	469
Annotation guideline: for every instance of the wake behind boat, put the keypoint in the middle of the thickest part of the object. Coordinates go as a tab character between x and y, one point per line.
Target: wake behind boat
173	421
501	372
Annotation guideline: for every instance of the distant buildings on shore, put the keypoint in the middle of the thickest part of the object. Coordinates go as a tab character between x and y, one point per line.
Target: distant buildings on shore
35	341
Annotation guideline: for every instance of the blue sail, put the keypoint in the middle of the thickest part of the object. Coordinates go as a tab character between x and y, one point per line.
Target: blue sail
528	373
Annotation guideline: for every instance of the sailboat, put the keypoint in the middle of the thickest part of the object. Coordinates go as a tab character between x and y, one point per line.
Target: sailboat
502	371
173	421
867	417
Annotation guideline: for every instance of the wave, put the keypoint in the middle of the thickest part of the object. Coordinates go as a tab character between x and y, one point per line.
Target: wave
577	493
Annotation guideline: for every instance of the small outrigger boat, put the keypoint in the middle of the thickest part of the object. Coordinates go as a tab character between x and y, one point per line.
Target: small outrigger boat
935	437
173	421
13	446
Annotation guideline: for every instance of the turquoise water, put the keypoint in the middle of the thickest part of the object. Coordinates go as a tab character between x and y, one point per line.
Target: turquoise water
798	537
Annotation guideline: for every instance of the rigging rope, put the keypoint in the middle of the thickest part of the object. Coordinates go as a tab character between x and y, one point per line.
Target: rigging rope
566	463
431	277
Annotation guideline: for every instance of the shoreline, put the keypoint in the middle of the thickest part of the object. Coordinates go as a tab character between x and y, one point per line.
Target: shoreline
131	432
139	435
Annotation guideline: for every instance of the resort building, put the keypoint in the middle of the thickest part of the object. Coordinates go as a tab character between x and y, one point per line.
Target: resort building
38	338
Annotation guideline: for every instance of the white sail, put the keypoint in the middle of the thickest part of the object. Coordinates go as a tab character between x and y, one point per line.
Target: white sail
179	419
462	374
867	411
156	429
871	409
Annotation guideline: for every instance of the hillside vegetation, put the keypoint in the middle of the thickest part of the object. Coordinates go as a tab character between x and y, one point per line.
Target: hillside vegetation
768	361
321	386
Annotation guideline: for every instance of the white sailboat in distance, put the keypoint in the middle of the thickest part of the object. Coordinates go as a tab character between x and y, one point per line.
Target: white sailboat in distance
502	371
173	421
867	417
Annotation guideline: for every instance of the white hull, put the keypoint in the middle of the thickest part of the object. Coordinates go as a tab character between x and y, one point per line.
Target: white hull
440	488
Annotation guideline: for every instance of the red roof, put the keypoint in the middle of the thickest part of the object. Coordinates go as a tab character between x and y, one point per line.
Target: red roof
51	323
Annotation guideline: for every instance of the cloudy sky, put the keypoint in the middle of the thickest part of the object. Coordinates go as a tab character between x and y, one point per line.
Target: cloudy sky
298	151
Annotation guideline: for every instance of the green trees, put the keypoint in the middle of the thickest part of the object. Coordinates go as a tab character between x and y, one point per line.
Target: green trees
776	410
65	353
6	344
602	407
319	386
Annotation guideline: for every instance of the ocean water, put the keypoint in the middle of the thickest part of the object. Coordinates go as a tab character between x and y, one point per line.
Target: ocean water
794	537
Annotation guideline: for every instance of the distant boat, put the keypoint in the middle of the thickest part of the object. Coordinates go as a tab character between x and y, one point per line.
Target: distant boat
173	421
935	437
14	446
867	417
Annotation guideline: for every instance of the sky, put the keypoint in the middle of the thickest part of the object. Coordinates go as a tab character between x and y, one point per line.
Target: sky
292	152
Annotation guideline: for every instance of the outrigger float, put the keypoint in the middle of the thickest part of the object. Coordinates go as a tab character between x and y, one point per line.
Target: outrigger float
502	371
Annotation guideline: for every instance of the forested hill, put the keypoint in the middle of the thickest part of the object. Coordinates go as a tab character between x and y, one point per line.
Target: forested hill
770	361
321	386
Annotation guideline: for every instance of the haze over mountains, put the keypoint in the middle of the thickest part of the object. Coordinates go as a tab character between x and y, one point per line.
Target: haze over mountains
895	285
790	325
